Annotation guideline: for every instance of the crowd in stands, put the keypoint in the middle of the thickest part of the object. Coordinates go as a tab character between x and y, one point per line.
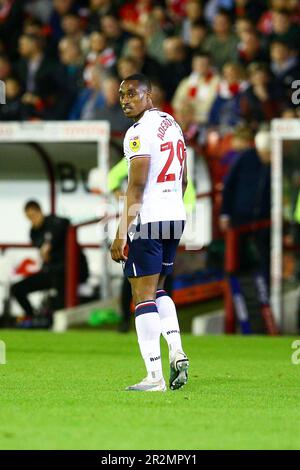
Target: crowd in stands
213	63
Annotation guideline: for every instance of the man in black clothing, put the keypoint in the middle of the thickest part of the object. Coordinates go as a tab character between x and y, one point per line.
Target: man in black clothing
247	198
48	233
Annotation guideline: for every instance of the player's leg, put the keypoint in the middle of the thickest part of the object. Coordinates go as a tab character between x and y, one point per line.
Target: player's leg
168	315
179	362
148	331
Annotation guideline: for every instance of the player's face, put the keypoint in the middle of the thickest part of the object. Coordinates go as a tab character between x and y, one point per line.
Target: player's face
134	98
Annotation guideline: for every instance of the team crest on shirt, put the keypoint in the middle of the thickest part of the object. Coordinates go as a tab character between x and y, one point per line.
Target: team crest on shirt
135	144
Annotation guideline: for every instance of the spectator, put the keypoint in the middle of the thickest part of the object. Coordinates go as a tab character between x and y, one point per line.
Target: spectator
265	23
111	111
250	49
201	87
242	139
60	9
135	47
177	64
68	78
284	64
243	25
246	198
186	118
36	73
222	44
127	66
97	9
283	30
73	28
264	99
226	109
153	37
160	14
48	234
90	98
12	111
116	37
198	34
212	7
98	54
193	13
159	98
37	28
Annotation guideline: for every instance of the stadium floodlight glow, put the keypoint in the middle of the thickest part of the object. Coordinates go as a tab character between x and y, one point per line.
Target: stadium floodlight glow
281	130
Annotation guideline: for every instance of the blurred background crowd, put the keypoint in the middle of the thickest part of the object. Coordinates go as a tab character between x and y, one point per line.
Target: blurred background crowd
213	63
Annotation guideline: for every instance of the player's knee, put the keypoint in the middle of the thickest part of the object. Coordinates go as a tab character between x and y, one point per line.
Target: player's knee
143	295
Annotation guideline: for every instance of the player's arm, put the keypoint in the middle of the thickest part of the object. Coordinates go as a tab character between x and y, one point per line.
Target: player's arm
138	175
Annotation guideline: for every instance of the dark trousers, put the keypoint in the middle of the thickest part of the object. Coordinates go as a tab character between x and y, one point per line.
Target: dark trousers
254	252
39	282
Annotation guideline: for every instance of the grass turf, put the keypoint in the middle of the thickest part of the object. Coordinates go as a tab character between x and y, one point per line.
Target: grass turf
67	392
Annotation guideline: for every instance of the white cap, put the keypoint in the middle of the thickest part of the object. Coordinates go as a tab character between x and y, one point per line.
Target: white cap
263	140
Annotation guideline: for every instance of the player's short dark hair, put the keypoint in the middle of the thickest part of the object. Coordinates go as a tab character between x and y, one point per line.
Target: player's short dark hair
32	204
142	79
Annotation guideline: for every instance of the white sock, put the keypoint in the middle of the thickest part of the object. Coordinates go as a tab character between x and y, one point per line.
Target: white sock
148	331
169	322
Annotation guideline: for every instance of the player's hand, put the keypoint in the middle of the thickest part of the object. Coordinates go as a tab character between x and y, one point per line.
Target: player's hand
118	250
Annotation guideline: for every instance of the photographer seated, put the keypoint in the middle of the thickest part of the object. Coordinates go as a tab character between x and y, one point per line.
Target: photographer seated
48	233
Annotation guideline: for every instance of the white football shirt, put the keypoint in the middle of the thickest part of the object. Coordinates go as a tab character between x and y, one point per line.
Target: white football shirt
158	136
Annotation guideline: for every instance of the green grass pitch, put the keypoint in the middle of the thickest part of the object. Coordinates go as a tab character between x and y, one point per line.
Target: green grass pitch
67	392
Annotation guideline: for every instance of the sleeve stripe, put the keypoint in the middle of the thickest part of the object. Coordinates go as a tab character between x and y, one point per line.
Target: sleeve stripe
139	156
